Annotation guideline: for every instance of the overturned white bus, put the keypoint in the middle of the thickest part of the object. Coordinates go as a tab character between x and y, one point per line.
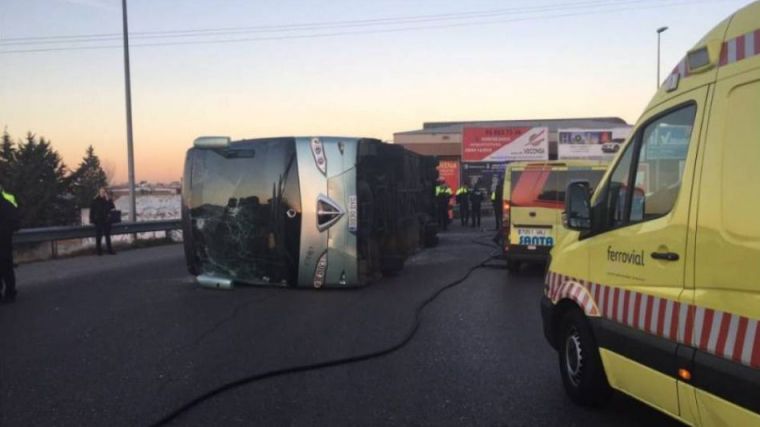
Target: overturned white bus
304	211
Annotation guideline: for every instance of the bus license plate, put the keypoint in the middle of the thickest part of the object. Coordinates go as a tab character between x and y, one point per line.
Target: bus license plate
353	214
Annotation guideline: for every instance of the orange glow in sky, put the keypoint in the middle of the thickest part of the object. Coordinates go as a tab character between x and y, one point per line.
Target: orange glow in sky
594	64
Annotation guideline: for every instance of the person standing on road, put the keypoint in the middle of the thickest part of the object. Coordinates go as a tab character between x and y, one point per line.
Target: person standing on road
463	200
498	205
443	195
9	223
100	216
476	199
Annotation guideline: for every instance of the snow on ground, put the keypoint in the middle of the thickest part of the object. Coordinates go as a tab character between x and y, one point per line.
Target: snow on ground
150	207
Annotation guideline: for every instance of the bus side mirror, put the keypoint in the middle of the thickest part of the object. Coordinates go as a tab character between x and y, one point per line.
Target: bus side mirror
577	215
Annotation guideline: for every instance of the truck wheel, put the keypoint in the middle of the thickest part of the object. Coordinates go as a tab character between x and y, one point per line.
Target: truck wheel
579	362
513	266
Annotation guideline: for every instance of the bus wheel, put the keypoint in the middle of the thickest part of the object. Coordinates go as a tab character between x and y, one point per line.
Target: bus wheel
579	362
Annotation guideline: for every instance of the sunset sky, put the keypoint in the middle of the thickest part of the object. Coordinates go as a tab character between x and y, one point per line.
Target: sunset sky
360	68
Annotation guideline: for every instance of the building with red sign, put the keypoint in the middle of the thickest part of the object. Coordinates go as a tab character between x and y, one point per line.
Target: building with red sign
481	148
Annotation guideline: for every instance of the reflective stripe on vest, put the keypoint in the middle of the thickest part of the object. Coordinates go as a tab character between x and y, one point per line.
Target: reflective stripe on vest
10	198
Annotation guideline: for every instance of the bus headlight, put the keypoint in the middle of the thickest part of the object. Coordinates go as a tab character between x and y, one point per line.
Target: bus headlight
318	151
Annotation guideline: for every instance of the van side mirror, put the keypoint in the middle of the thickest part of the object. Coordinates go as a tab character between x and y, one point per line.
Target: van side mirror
577	215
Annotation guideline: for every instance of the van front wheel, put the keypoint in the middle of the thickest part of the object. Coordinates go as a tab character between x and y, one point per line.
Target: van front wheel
579	362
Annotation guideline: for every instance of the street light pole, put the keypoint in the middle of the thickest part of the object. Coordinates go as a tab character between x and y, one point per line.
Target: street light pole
128	90
659	31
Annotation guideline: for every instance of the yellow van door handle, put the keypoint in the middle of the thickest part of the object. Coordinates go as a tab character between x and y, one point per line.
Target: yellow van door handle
532	214
665	256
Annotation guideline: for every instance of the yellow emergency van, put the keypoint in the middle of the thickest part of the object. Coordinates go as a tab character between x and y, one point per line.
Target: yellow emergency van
534	197
655	290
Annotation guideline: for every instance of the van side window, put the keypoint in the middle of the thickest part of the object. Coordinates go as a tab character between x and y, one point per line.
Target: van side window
652	166
664	146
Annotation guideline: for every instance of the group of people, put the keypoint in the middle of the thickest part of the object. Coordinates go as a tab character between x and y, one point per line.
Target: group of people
101	210
469	200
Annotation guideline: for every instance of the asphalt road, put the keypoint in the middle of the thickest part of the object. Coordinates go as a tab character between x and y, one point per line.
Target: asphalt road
123	340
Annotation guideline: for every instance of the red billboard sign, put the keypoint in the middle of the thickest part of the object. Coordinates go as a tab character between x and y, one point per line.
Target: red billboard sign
504	144
449	171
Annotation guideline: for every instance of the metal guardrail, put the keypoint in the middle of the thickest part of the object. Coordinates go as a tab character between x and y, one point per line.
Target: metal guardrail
53	234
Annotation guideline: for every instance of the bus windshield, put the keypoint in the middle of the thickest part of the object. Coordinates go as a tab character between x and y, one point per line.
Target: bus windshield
245	209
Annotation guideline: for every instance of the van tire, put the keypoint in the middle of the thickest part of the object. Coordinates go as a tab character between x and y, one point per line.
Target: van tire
579	362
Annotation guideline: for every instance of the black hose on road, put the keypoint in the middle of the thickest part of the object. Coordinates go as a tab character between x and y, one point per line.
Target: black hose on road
329	363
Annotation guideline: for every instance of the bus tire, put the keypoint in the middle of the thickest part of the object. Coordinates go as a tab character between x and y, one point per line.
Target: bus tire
579	362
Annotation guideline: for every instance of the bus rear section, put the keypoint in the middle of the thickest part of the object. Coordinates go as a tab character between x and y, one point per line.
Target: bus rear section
534	195
307	211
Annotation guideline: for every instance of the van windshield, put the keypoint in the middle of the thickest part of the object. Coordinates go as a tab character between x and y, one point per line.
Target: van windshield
246	211
545	187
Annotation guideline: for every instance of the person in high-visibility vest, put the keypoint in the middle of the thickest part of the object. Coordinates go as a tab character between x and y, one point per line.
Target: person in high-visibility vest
463	200
9	223
443	196
9	197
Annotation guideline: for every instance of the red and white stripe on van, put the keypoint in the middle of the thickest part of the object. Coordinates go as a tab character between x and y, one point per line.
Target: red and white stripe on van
720	333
